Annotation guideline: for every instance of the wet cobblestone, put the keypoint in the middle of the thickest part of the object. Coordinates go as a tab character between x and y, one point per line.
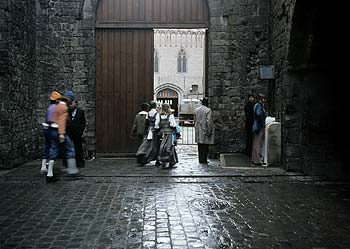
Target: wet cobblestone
210	211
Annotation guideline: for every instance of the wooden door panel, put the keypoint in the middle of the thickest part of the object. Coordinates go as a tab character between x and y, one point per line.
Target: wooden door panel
124	80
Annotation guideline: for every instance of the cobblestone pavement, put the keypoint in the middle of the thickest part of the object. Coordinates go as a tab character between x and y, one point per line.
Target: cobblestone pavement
116	204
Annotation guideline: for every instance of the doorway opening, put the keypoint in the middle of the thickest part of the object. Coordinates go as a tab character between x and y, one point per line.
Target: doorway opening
180	74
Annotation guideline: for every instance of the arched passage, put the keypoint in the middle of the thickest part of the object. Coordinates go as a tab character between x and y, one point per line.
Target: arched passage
124	60
313	92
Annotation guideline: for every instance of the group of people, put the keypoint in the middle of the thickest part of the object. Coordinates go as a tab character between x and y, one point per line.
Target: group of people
255	127
157	132
63	129
155	129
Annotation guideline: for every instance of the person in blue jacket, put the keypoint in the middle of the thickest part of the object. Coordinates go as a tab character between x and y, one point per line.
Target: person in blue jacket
259	130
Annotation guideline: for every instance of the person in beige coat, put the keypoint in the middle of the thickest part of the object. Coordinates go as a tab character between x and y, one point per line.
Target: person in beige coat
204	130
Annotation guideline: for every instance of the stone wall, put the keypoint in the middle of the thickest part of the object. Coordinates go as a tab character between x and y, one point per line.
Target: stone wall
281	23
4	74
18	128
238	45
308	86
66	56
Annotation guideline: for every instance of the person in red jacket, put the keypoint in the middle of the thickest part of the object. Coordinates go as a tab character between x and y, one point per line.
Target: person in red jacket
60	140
47	127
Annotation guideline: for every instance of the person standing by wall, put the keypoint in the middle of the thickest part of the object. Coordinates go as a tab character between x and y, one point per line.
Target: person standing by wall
249	121
77	124
204	130
259	130
47	126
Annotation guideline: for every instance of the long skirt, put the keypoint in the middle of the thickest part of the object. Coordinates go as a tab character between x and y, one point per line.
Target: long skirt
148	150
258	139
167	152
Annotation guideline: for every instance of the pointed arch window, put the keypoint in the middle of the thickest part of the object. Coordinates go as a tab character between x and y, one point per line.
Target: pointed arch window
156	61
182	62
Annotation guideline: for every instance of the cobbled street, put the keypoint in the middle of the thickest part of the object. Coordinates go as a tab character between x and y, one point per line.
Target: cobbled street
116	204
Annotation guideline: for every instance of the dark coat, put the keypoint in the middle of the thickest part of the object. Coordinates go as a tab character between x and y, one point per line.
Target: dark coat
249	115
77	124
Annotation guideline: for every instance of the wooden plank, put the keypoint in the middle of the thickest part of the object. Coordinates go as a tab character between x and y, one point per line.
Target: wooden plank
194	10
122	11
156	10
129	105
98	88
117	84
123	84
169	10
175	11
163	10
187	9
142	12
148	10
148	25
104	89
182	10
159	13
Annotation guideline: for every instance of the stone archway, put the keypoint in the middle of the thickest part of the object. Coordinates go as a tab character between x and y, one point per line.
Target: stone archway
311	119
169	96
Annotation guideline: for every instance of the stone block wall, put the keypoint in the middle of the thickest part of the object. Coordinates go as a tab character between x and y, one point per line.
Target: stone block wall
4	74
308	88
281	24
238	45
66	56
18	127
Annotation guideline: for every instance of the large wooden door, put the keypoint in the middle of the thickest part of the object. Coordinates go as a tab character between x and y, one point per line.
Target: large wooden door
124	66
124	80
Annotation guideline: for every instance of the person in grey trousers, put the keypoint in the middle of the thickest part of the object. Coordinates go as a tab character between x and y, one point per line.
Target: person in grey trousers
204	130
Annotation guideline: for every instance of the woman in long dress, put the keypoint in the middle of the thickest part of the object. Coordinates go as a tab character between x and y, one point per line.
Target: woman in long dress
166	124
148	150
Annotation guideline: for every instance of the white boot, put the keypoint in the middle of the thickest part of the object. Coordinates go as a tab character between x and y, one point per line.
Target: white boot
72	167
50	170
50	177
43	169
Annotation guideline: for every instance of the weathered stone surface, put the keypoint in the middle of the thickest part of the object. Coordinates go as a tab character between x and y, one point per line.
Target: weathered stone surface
272	155
18	85
120	205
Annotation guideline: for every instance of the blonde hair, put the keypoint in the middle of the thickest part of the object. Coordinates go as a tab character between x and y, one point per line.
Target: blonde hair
165	109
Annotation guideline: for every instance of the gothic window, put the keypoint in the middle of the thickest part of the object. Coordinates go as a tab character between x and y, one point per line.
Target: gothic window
156	61
182	62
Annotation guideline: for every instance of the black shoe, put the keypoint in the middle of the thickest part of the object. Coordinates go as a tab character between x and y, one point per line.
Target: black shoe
50	179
